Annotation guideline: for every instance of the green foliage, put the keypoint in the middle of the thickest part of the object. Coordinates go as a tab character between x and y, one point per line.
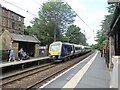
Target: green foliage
28	30
54	17
75	36
94	46
105	26
111	8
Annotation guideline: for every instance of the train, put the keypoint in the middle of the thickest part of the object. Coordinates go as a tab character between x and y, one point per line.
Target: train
61	51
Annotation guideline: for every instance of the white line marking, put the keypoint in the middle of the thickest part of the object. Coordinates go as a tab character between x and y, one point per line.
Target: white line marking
75	80
64	73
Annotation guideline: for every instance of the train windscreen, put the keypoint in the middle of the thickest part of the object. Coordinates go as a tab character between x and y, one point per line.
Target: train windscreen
55	47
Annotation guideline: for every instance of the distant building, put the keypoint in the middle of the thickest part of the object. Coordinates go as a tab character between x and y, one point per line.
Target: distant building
30	44
12	34
11	21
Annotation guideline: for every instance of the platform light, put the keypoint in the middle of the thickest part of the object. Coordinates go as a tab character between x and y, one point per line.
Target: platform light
113	1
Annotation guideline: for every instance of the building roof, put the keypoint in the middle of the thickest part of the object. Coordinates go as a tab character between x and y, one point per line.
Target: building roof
11	11
115	20
24	38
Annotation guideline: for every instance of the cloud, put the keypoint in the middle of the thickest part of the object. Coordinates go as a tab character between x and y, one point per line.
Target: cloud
76	5
94	16
93	20
92	1
91	11
31	6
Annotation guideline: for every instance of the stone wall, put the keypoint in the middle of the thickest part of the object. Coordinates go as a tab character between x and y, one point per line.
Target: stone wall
36	50
7	43
12	21
6	40
15	48
0	20
111	51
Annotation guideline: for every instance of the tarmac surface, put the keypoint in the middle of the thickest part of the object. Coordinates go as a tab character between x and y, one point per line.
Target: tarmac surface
92	72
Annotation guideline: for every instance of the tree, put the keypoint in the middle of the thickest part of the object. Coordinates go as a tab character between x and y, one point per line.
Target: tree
28	30
75	36
105	26
54	17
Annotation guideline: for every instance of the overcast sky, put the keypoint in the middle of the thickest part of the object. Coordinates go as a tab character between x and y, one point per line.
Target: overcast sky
91	11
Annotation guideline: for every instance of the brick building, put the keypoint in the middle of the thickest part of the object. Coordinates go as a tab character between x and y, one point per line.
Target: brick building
12	34
11	21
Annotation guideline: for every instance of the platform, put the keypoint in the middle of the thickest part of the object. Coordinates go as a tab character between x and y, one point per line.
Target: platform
5	64
92	72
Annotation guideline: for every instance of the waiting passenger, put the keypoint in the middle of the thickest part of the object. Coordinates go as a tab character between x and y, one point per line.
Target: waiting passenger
23	55
101	51
21	52
11	55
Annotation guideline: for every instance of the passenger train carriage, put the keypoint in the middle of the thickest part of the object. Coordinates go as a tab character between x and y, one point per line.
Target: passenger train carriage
60	51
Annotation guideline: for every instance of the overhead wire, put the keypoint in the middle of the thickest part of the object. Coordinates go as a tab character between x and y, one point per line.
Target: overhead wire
37	2
41	5
81	19
74	12
19	8
79	16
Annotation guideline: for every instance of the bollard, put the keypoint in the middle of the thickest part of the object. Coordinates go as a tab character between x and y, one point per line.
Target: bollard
115	78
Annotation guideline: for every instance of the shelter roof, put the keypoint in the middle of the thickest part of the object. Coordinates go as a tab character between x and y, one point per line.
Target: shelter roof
24	38
115	19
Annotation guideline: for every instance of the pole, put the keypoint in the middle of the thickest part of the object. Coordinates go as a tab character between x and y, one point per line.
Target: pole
55	33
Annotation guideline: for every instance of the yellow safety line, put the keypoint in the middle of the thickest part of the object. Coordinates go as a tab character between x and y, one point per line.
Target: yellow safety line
74	81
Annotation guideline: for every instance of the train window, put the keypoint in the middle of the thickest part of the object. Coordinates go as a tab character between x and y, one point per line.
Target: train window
68	48
55	47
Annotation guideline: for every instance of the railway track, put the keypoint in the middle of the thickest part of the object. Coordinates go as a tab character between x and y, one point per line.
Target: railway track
37	78
18	76
37	84
17	72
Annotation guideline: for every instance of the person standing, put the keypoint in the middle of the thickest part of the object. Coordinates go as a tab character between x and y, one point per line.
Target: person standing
8	54
101	51
21	52
11	55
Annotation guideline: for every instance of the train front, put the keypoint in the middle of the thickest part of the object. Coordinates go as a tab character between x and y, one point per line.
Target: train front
55	51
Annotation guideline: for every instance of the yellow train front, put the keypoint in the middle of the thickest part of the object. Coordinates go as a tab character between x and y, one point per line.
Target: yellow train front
60	51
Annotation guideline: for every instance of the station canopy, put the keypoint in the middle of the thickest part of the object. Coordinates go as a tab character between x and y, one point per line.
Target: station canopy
24	38
7	38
